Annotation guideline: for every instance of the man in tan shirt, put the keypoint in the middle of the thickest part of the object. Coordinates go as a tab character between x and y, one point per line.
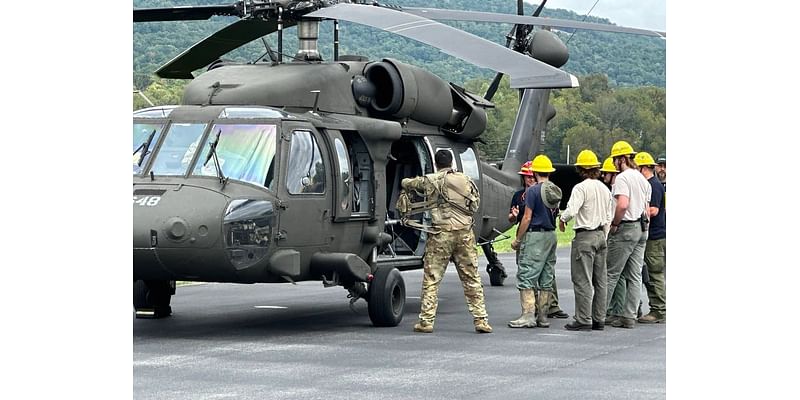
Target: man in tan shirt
591	206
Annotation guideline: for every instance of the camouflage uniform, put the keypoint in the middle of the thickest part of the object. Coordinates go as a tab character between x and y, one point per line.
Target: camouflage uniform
454	240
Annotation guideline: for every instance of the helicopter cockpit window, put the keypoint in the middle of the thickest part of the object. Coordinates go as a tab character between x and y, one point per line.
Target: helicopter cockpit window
469	164
245	152
344	167
154	112
305	172
177	151
145	137
250	112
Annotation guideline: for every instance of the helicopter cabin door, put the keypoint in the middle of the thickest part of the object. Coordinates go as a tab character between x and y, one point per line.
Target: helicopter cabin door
353	194
306	192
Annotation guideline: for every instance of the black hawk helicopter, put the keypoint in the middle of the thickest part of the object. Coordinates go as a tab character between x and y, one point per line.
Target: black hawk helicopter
290	171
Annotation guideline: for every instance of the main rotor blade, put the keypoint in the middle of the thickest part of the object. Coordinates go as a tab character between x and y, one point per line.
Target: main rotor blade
525	72
479	16
185	13
211	48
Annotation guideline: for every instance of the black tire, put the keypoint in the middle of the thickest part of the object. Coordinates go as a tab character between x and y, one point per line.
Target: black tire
387	297
140	295
151	298
496	277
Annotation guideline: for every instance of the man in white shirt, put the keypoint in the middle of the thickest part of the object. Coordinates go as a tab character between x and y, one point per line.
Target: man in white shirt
592	207
627	237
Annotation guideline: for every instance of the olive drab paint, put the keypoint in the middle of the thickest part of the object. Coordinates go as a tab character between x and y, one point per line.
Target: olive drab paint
284	172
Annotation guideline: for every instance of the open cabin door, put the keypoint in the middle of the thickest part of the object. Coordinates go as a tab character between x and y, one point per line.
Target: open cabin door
410	157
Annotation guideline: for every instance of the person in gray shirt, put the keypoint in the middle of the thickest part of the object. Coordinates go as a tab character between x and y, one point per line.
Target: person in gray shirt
627	236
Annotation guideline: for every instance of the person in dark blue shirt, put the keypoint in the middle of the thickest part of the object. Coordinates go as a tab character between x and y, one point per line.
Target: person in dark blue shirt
655	252
536	241
515	213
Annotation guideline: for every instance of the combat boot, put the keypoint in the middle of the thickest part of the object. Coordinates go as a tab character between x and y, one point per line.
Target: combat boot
542	302
482	325
423	327
652	318
622	322
528	302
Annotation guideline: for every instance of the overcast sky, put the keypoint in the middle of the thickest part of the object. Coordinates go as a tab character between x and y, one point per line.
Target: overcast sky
651	14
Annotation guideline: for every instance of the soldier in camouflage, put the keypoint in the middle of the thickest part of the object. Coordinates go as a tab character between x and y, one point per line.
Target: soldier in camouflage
454	239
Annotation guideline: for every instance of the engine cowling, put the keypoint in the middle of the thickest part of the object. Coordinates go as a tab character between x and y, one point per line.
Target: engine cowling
546	47
394	90
405	91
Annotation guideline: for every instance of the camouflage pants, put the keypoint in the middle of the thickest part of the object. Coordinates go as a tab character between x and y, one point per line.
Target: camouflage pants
625	259
460	245
537	261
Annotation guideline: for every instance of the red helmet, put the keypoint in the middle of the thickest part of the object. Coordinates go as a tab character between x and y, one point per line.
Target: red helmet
525	169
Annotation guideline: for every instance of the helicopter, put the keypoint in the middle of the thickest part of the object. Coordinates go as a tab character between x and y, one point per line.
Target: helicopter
275	172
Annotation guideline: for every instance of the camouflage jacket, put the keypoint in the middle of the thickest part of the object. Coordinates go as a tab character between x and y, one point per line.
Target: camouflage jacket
447	217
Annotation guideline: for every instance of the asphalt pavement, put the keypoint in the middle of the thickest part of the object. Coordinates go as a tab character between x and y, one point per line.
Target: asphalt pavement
304	341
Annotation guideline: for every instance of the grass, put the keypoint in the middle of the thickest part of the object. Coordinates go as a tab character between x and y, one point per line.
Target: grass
504	246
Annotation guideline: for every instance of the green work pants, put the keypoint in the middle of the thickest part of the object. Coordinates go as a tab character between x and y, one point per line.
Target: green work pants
553	306
537	261
624	262
655	256
589	275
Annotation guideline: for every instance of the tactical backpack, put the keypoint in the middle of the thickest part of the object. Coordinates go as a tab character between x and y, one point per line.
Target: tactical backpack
464	198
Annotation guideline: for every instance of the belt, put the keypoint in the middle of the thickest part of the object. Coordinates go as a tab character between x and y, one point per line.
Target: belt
629	221
599	228
540	229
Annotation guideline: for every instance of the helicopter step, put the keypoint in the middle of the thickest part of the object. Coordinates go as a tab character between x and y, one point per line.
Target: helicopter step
347	265
151	298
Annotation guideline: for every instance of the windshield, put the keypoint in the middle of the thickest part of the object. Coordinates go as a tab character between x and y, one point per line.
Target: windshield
245	151
179	146
141	135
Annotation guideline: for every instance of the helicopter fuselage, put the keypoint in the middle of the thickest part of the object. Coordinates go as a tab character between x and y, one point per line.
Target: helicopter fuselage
234	189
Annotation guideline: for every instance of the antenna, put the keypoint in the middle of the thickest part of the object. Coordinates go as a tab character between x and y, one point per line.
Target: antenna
139	92
269	51
280	35
336	40
316	99
583	20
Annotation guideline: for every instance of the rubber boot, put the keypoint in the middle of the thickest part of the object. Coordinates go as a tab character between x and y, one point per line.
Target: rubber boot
527	319
543	302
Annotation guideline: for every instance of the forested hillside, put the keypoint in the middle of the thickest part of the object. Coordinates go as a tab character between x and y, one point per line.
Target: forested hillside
628	60
622	77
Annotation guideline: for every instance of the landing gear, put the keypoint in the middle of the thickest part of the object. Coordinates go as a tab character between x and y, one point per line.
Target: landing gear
497	274
151	298
387	297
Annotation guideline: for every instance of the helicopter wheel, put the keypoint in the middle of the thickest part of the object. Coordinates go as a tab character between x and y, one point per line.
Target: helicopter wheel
387	297
151	298
496	276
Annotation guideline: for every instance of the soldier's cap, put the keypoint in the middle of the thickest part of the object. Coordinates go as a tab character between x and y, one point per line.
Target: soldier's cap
551	194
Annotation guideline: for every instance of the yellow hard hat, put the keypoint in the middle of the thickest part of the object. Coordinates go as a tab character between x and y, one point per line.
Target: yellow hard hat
621	148
644	158
587	159
525	169
542	164
608	165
